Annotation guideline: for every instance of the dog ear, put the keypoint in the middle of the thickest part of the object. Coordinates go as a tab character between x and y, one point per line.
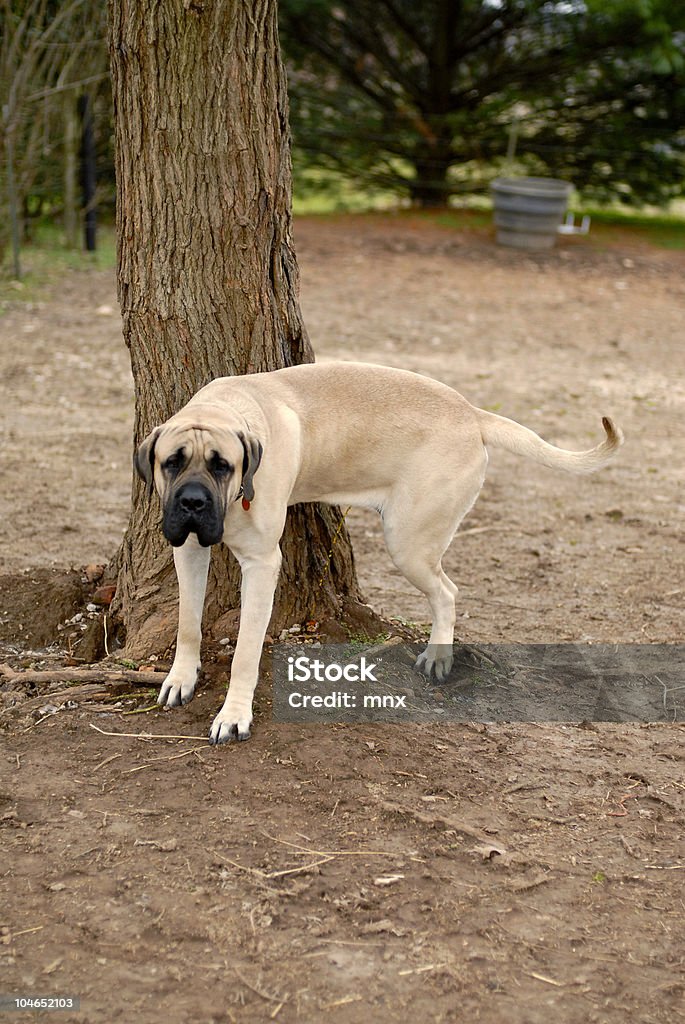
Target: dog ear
252	456
144	458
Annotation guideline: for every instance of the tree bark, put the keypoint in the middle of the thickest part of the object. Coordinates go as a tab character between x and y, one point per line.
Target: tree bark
208	281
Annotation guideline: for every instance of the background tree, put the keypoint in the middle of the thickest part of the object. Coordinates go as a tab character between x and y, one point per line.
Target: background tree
49	52
421	97
208	281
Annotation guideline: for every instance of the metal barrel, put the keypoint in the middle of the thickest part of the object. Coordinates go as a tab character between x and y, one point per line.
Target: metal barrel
528	211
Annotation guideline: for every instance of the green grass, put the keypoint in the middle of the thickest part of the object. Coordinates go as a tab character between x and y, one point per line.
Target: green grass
462	218
316	191
45	259
663	230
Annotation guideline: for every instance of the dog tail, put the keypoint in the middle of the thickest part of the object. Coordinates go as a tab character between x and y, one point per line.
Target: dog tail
500	432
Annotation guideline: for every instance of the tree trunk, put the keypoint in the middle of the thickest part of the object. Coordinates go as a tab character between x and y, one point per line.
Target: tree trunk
88	173
13	204
208	281
70	170
430	188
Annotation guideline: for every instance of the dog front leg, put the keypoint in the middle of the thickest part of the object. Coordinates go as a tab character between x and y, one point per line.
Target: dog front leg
257	597
192	565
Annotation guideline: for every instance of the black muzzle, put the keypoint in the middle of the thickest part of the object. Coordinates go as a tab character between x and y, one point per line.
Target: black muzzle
193	508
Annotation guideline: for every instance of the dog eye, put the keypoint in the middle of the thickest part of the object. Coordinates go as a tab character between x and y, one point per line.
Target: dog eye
174	462
220	466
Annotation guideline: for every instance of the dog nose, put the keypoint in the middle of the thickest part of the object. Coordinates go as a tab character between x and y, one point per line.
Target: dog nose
193	499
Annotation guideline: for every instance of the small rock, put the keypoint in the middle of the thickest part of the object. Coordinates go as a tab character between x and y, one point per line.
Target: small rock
105	595
47	709
93	572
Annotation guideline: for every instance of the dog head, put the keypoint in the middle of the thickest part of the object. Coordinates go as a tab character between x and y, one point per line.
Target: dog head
198	470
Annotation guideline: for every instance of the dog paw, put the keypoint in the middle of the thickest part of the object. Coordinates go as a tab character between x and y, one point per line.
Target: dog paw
178	688
436	661
232	723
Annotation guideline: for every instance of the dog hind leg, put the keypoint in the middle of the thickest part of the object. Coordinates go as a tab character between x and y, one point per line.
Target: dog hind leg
418	530
428	576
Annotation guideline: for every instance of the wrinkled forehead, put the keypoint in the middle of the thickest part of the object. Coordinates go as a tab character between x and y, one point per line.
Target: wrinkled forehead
197	442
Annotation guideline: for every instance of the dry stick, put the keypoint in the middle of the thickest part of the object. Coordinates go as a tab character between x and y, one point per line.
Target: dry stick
340	1002
274	874
89	691
422	970
78	675
445	820
542	977
333	853
260	992
106	761
146	735
156	760
26	931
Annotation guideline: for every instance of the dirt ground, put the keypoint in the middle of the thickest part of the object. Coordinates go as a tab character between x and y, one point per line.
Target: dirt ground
467	872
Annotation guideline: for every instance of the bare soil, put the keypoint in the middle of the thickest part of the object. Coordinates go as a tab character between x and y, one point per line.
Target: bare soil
486	872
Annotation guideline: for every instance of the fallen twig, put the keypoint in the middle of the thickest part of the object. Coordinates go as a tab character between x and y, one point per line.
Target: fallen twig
331	853
340	1002
89	673
156	760
274	874
146	735
106	761
26	931
444	820
261	992
421	970
543	977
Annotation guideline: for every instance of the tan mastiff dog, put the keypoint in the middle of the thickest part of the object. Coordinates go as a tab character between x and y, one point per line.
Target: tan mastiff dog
344	433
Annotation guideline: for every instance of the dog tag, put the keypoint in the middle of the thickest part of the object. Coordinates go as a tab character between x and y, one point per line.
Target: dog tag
246	505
